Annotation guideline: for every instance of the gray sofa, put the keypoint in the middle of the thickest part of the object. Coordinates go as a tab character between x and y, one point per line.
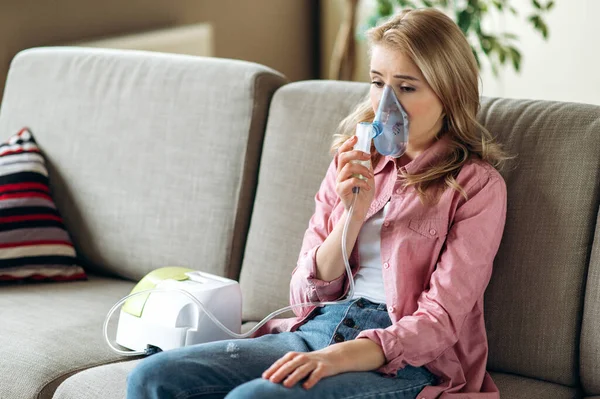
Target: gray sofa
213	164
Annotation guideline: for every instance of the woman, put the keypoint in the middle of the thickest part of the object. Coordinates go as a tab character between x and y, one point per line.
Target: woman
424	231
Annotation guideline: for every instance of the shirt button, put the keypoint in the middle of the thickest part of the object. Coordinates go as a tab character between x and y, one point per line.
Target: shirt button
391	309
398	191
338	338
386	224
432	232
349	322
386	265
360	304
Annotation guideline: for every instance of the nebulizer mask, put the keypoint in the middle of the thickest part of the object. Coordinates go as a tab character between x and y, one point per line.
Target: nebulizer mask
388	131
173	306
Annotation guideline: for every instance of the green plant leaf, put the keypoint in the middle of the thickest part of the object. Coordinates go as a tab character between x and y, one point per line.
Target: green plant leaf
544	29
502	51
486	45
427	3
464	19
494	67
539	25
476	56
406	4
513	11
515	56
536	4
384	7
549	5
510	36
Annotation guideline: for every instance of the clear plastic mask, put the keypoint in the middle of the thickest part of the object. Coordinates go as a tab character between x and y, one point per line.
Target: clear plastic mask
390	126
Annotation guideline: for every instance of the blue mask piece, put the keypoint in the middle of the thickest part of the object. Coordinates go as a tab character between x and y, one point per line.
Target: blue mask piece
390	126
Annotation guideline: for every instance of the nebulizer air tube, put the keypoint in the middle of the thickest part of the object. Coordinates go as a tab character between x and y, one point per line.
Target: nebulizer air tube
389	133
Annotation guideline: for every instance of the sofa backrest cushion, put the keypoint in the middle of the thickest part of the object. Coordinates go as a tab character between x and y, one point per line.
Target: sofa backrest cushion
302	119
533	303
590	330
153	157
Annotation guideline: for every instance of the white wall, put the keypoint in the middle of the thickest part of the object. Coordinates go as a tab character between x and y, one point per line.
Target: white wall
564	68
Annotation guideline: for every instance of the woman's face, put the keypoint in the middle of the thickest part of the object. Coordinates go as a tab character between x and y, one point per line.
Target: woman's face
424	109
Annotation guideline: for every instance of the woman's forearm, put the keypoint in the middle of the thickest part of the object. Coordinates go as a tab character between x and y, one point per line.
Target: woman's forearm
330	264
356	355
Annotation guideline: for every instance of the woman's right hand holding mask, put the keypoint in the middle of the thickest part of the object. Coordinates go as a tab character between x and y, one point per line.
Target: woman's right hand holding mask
345	181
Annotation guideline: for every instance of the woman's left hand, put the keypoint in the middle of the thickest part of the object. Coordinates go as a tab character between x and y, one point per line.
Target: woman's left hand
295	366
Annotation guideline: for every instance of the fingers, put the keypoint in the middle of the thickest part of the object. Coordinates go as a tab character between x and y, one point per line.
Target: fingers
347	153
351	169
299	374
287	368
352	155
345	188
315	376
293	367
348	144
275	366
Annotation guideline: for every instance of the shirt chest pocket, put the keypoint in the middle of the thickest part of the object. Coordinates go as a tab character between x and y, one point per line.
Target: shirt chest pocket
430	227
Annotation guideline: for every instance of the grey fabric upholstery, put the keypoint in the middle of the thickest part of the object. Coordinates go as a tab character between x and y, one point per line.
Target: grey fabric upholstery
102	382
590	334
295	156
50	331
108	381
153	157
534	300
516	387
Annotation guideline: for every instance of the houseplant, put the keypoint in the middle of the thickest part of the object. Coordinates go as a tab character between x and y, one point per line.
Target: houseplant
469	15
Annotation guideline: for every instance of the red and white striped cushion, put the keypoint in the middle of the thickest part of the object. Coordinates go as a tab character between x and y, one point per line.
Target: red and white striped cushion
34	243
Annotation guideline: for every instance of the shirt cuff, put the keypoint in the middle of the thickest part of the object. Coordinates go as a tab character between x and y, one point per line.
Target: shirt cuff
392	349
324	290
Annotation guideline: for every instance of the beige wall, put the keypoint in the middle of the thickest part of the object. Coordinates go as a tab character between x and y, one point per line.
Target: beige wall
275	33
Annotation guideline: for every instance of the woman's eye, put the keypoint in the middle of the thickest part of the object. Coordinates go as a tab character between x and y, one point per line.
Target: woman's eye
377	84
407	89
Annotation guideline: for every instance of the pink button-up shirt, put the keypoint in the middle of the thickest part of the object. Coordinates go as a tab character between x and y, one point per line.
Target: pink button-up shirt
440	261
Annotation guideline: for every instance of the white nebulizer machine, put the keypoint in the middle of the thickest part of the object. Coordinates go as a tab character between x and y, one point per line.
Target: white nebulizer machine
173	307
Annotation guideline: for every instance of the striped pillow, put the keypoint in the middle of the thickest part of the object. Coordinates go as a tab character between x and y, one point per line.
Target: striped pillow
34	243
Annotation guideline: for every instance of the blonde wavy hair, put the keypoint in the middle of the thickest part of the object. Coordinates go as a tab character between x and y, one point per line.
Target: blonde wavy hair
440	50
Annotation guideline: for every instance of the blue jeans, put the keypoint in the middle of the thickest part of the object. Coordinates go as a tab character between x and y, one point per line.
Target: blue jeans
232	369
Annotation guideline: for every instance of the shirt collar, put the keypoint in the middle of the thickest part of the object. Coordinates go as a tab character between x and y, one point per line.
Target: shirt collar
427	158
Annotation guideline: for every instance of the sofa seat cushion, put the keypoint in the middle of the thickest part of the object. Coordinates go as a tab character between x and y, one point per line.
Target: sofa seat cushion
106	381
110	381
517	387
50	331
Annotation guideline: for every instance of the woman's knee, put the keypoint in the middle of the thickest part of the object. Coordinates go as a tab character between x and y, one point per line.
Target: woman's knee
147	378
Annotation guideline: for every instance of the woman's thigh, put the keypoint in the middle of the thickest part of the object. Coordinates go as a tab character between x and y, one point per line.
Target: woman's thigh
356	385
208	370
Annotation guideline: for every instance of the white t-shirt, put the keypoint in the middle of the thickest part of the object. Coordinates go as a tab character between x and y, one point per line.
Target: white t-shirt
368	281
